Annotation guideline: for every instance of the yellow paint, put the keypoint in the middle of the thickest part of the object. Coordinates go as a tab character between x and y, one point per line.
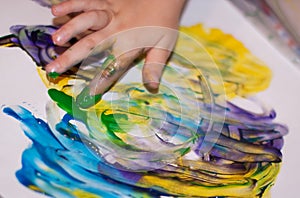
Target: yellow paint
83	194
242	72
35	188
194	189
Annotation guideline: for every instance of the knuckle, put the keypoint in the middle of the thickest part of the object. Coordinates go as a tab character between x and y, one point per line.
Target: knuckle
89	43
93	14
99	18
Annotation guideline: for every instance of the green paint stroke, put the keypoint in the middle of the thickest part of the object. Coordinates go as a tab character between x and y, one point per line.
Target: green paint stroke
67	103
53	75
112	126
86	100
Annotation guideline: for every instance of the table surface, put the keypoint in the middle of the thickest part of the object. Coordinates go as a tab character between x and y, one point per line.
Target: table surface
20	84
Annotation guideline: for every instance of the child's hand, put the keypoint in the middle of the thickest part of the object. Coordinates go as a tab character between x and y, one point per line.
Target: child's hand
106	18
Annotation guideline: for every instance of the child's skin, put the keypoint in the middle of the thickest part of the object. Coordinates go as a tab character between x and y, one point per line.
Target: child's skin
106	18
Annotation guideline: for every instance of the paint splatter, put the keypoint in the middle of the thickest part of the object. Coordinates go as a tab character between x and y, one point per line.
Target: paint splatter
187	140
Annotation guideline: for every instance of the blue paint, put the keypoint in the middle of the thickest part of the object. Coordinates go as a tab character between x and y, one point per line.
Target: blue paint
54	162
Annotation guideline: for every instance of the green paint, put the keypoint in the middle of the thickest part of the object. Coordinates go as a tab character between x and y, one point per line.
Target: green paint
112	126
110	58
183	151
86	100
53	75
67	103
111	123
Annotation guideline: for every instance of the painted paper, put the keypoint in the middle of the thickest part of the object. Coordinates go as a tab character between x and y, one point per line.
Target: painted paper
190	139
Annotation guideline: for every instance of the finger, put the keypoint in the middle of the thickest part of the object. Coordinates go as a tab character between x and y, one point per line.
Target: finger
95	20
79	51
72	6
155	61
114	69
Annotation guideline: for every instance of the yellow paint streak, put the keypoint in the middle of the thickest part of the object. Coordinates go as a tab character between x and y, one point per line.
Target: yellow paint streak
35	188
188	189
83	194
242	72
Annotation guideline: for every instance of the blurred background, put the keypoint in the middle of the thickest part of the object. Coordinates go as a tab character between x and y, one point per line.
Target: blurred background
278	20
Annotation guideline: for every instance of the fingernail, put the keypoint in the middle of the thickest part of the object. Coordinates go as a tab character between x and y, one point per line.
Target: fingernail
86	100
52	68
53	75
56	9
58	37
152	87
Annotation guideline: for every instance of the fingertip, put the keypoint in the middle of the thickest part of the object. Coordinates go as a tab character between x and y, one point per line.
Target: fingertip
55	10
153	68
59	37
52	67
55	39
152	73
152	87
